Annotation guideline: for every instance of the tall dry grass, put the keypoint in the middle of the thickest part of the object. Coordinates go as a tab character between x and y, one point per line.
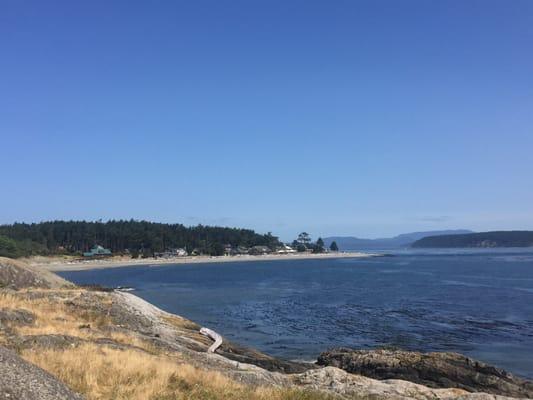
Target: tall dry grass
53	317
104	373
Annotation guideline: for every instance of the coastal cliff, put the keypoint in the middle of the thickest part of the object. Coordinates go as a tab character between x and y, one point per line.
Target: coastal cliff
97	343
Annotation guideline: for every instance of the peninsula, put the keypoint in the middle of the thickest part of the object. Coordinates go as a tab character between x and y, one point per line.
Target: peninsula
478	240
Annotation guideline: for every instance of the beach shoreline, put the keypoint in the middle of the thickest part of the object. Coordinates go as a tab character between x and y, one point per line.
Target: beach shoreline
61	264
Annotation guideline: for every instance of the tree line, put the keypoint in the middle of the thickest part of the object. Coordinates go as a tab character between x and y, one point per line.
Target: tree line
123	236
305	243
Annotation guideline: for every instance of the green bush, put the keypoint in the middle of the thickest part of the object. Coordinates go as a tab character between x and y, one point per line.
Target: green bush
9	248
20	248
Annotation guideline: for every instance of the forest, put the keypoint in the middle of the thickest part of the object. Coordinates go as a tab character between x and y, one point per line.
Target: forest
123	237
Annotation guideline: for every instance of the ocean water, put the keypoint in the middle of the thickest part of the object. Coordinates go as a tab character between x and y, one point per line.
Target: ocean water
479	303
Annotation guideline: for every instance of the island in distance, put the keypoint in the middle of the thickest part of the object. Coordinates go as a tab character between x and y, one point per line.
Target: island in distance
401	241
481	240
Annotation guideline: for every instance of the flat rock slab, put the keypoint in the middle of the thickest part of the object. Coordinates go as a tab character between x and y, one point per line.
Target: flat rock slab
20	380
437	370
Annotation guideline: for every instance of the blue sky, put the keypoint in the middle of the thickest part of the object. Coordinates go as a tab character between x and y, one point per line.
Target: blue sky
366	118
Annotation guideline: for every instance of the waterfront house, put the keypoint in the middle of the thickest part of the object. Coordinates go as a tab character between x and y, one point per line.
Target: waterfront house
239	251
285	249
260	250
97	251
172	253
228	250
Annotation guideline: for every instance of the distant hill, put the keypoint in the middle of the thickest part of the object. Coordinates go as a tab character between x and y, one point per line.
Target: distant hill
400	241
482	239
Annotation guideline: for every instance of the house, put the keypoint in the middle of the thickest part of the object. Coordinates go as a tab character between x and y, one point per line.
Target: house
171	253
259	250
228	249
285	249
97	251
181	252
239	250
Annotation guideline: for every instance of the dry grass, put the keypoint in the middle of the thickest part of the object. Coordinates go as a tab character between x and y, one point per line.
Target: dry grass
138	372
53	317
104	373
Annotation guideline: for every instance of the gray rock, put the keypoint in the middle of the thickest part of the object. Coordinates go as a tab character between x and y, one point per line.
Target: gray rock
349	386
17	317
47	341
437	370
17	275
20	380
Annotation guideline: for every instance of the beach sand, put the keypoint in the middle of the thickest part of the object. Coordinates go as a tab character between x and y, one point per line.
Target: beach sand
71	264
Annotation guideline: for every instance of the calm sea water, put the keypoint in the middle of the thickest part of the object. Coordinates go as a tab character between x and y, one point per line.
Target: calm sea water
476	303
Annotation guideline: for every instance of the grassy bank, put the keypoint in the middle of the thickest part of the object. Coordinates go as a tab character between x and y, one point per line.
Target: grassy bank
95	357
104	373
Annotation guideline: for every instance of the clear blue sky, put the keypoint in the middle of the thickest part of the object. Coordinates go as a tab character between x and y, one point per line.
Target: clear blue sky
366	118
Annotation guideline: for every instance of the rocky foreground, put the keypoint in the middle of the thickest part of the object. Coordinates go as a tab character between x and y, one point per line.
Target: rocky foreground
89	342
437	370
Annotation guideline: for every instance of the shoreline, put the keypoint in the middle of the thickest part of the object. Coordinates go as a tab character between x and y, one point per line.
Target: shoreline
338	372
58	265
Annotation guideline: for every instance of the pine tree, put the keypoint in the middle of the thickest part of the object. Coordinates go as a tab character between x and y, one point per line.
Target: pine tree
319	247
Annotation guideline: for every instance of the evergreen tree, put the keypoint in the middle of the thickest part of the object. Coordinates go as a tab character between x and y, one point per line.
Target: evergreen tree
333	246
301	248
304	238
8	248
319	246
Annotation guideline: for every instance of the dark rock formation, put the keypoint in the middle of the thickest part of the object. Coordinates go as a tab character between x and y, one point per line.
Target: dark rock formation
437	370
20	380
248	355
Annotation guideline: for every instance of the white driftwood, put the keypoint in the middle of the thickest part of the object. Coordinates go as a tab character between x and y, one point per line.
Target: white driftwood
213	335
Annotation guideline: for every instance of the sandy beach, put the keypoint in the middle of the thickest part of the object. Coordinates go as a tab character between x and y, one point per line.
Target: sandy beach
66	264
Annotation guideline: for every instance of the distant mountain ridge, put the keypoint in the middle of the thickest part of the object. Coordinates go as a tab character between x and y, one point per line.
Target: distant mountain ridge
481	239
400	241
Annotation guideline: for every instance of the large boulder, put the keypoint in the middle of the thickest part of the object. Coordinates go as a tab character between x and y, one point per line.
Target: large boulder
17	275
20	380
437	370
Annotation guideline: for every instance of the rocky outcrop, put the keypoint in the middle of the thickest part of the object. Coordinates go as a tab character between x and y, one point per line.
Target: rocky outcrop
436	370
18	317
350	386
135	313
17	275
46	342
20	380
